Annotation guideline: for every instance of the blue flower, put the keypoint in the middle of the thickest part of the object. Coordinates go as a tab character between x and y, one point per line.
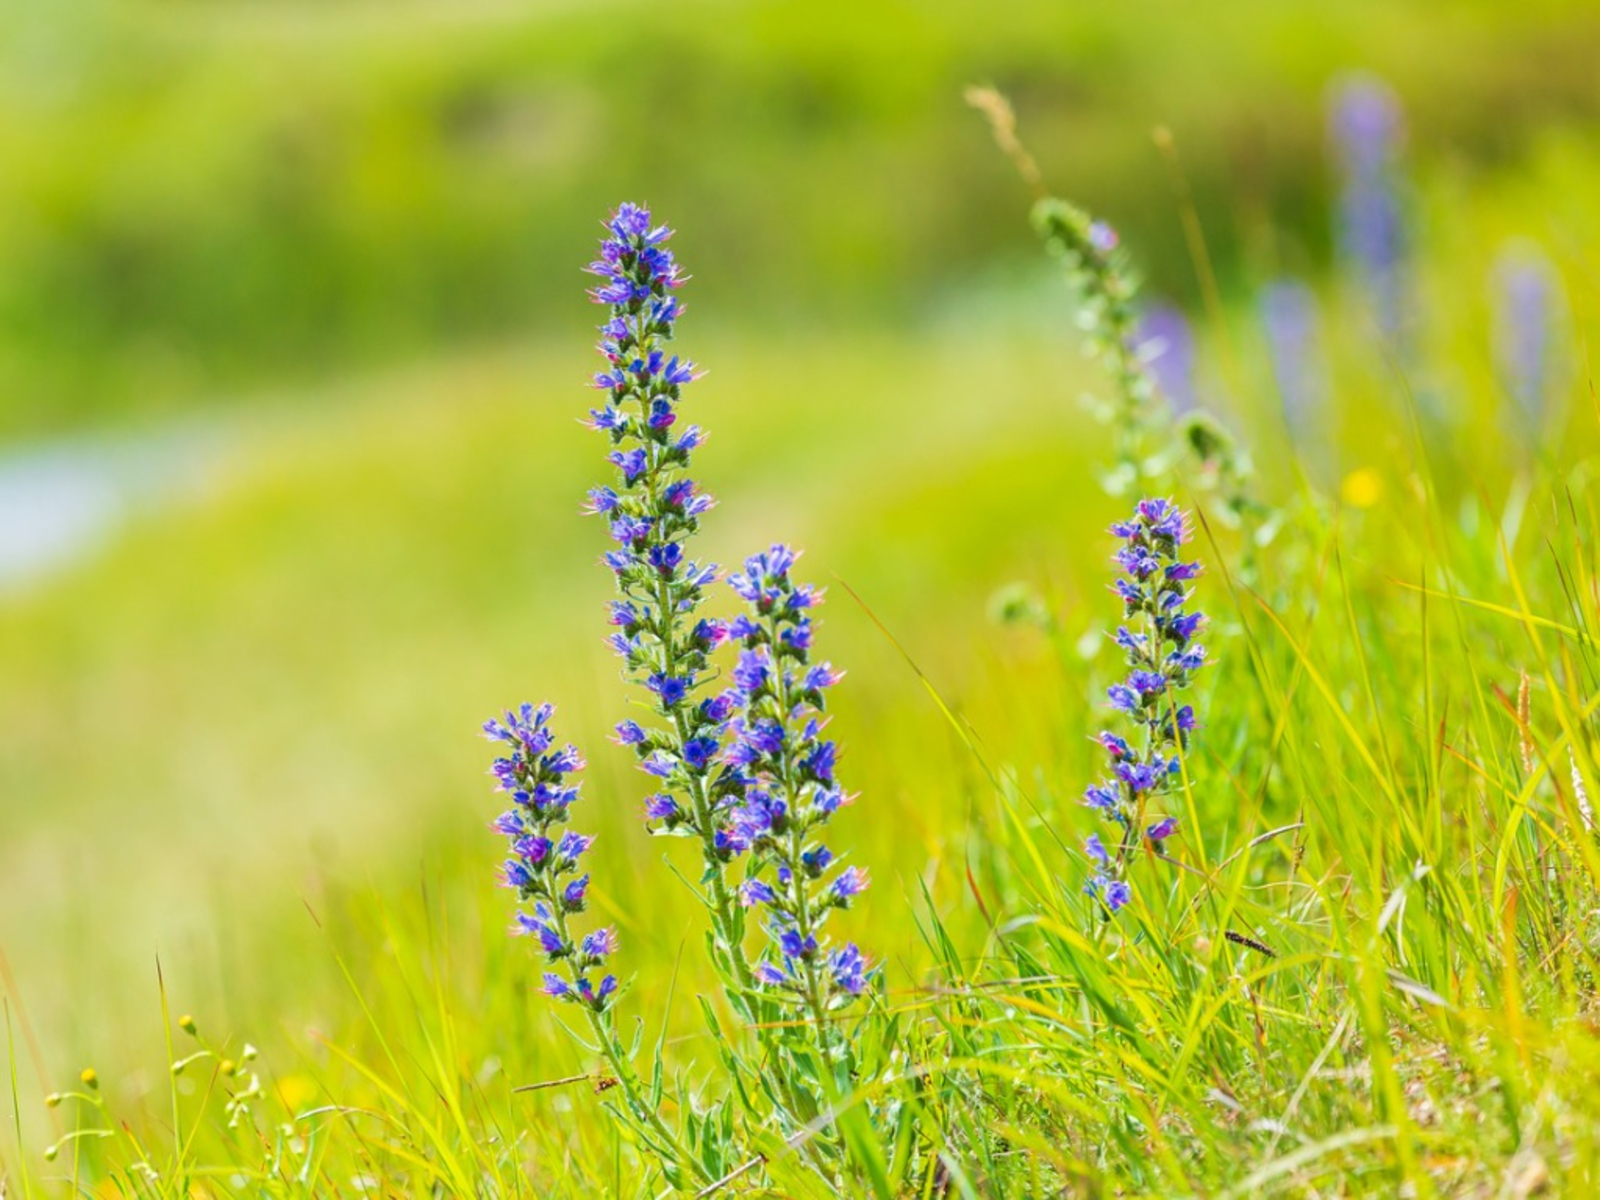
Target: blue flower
1165	344
1182	628
670	688
531	850
1103	796
753	892
515	874
1289	319
661	807
794	945
1102	237
1159	832
1096	850
770	975
1140	776
1526	293
750	675
542	925
850	882
698	752
602	500
572	846
1116	746
631	463
1114	894
600	944
849	970
630	531
1190	659
596	998
1366	124
1147	683
1124	698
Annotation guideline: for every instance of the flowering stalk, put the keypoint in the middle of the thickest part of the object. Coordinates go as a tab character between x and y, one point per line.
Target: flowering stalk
789	791
1524	318
1162	654
1145	360
653	511
543	868
1366	124
1108	315
1148	358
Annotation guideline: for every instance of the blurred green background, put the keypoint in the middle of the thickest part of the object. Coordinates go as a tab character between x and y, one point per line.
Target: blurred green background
200	200
293	339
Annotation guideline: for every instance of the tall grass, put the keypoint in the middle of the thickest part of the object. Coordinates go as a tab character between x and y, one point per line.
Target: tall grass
1365	965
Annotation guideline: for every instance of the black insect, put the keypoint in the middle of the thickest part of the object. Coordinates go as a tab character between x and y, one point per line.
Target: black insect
1239	939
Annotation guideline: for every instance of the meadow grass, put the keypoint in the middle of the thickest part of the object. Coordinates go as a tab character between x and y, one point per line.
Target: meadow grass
260	717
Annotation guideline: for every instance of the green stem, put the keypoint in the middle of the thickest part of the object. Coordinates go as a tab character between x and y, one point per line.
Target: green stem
645	1115
804	925
632	1089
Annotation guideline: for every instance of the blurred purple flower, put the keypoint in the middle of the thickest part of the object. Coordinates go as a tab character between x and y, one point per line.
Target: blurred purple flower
1367	125
1525	297
1165	344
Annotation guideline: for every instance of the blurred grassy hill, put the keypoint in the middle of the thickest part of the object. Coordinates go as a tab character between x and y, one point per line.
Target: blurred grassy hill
272	702
197	199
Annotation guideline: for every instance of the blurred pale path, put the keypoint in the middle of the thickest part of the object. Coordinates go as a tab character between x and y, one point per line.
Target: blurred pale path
64	500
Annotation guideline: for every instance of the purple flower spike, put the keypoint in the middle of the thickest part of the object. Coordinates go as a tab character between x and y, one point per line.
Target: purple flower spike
787	791
1158	640
1367	126
1526	293
654	510
544	863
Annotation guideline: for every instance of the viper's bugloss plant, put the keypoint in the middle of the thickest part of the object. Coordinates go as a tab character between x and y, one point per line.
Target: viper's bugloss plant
722	762
1159	639
544	856
543	869
653	511
790	791
1097	271
1152	441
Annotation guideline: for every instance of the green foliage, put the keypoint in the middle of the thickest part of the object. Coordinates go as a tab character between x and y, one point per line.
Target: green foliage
202	199
240	739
